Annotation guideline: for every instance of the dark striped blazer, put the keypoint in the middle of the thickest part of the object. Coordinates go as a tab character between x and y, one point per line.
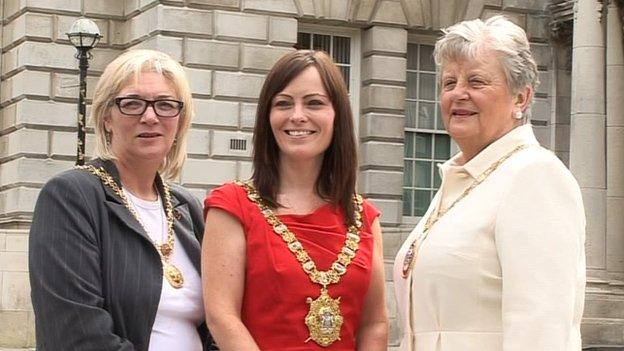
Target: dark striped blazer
96	278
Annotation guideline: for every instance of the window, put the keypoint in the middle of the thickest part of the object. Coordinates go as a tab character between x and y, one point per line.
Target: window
343	46
338	48
426	141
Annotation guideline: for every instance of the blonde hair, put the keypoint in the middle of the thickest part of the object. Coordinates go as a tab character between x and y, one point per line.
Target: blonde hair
127	69
468	39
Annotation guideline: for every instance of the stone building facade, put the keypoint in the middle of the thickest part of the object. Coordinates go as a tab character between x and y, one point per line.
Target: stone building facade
383	48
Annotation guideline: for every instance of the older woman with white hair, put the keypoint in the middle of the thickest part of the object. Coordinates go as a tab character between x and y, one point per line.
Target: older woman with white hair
114	247
497	262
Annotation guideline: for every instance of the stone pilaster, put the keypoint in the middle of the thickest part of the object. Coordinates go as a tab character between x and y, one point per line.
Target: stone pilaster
587	132
381	136
381	128
16	316
615	141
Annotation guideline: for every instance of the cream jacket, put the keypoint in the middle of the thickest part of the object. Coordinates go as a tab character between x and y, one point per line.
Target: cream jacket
505	268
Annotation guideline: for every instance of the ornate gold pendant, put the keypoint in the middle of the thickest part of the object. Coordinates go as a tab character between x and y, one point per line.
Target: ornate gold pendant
408	261
324	319
165	249
173	275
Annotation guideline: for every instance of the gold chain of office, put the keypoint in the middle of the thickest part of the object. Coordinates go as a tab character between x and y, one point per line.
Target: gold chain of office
412	252
324	319
170	271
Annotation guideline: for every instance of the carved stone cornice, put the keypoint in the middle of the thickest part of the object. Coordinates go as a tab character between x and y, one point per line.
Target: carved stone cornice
562	18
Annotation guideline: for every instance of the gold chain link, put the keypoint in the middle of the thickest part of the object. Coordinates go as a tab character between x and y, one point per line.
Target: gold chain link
346	255
164	249
411	254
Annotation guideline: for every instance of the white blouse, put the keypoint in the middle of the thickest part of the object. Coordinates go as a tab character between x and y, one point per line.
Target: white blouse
180	311
504	269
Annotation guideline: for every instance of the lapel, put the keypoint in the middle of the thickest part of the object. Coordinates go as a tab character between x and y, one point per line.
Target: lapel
115	203
182	223
185	232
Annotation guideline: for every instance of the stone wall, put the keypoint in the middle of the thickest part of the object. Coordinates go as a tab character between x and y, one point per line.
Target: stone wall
227	47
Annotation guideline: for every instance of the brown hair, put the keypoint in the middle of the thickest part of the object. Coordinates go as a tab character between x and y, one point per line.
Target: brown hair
336	181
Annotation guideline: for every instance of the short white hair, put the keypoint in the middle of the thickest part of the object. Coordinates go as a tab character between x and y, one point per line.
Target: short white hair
468	39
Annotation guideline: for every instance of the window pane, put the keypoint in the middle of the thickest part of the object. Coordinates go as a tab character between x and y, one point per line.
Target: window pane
421	202
410	114
345	70
412	56
427	87
442	147
321	42
408	173
409	145
342	50
422	145
426	115
422	173
439	122
426	58
407	202
437	181
412	84
303	41
424	148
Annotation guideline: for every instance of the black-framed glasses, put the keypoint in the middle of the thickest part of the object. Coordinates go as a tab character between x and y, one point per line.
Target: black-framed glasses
132	106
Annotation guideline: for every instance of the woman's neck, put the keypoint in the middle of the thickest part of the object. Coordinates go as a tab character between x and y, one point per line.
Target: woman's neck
468	153
297	189
299	174
138	179
471	148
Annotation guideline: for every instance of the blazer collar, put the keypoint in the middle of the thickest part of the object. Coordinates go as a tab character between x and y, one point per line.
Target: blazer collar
116	204
181	220
478	164
111	169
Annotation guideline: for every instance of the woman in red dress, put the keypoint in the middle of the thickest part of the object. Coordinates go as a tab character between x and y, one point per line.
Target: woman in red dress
293	259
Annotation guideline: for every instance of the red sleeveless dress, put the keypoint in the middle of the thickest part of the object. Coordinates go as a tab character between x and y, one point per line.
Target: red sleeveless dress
276	287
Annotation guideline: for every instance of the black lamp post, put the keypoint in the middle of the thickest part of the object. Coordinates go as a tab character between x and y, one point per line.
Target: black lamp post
84	34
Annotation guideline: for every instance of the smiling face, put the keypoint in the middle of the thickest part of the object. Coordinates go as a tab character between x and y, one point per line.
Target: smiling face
146	137
477	105
302	117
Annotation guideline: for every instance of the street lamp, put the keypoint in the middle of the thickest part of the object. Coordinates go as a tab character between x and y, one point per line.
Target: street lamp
84	34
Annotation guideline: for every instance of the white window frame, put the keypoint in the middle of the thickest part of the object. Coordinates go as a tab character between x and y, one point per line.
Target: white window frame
421	39
354	74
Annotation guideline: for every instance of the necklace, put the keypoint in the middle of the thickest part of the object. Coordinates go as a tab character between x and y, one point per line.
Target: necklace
412	252
324	318
133	201
165	249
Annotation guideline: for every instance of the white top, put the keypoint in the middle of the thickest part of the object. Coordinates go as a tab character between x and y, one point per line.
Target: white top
505	268
180	311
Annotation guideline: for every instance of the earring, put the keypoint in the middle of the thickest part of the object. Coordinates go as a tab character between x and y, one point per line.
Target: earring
518	115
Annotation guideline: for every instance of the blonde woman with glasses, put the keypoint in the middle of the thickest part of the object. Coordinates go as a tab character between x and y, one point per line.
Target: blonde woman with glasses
114	246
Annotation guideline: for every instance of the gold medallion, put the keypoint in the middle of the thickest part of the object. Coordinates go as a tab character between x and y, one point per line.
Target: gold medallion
171	272
412	253
173	275
324	319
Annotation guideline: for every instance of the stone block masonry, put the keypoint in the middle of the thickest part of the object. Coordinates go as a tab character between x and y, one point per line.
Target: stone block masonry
227	47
